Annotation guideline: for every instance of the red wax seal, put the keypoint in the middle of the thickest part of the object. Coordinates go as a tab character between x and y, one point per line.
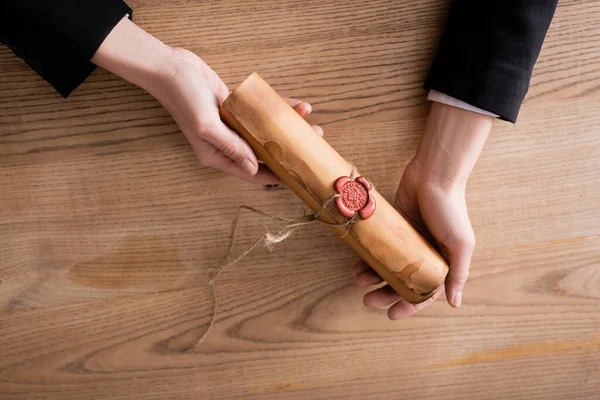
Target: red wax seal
354	196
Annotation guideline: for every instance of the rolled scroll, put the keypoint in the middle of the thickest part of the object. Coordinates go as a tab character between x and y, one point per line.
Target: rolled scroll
305	162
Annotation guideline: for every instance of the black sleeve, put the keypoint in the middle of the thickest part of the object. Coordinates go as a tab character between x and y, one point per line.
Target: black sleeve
488	51
58	38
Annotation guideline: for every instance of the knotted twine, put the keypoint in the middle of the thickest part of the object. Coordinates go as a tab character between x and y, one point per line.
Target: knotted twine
270	239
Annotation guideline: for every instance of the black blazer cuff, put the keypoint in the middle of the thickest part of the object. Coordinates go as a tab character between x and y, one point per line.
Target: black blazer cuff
499	91
57	39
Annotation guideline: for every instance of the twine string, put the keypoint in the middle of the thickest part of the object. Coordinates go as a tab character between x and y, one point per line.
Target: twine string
270	239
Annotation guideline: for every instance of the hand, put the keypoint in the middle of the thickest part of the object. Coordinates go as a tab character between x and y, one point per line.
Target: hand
192	92
431	196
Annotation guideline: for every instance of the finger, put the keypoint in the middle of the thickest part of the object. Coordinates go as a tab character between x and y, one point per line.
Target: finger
448	220
219	87
232	146
216	83
318	129
368	278
301	107
210	156
264	176
403	309
460	261
381	297
414	219
360	267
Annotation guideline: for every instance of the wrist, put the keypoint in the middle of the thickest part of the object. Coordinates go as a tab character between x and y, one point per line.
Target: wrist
134	55
451	144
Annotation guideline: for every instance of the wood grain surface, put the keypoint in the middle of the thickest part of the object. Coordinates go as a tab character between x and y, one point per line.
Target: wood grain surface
108	227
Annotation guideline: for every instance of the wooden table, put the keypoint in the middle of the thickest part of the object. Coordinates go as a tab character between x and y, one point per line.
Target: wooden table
108	227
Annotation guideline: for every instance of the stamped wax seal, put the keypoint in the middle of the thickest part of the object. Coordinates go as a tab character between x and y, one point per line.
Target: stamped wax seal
354	196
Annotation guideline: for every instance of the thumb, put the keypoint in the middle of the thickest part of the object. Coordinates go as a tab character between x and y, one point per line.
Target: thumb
446	217
233	146
459	255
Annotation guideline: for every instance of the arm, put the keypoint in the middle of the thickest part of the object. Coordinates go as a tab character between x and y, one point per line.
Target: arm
58	38
191	91
488	52
431	196
484	63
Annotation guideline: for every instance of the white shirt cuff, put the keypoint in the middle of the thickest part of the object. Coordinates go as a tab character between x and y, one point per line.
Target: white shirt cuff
454	102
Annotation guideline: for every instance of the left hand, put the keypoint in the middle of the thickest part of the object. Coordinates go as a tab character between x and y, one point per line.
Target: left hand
192	93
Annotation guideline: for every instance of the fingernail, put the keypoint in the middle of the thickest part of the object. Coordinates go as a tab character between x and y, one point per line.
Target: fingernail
308	109
457	300
248	166
318	129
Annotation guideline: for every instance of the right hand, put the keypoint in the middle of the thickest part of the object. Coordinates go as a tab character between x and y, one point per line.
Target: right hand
431	197
192	93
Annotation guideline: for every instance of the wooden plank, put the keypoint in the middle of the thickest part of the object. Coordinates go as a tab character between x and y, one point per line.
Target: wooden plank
108	227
